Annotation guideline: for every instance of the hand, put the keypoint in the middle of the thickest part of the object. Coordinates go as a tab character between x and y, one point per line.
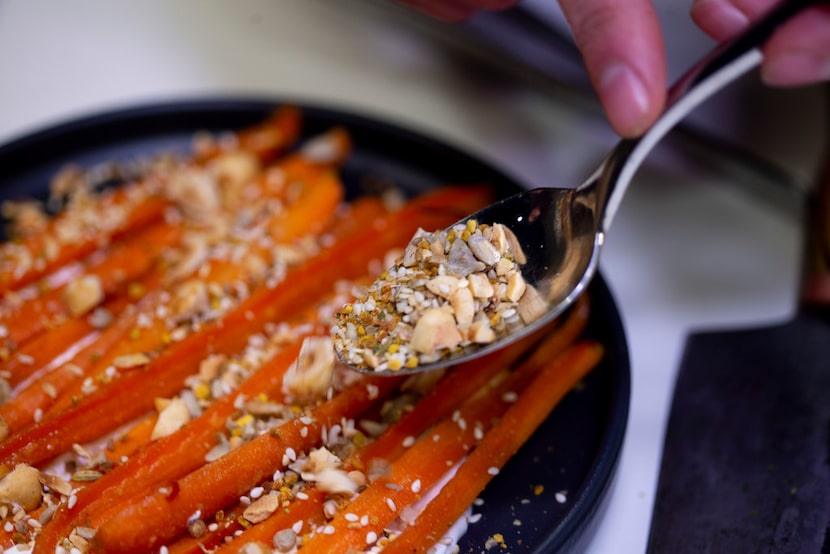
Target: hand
622	46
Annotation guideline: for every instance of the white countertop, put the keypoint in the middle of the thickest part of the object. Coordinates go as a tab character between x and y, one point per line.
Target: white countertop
688	249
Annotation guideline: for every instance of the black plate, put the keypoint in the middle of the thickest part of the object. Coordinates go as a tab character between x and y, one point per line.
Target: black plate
576	450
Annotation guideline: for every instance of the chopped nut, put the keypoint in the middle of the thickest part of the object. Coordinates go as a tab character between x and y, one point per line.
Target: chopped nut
515	287
83	294
254	548
56	484
22	486
480	332
463	306
310	375
128	361
483	249
435	329
443	285
190	299
285	540
171	419
261	508
532	305
196	193
233	170
480	285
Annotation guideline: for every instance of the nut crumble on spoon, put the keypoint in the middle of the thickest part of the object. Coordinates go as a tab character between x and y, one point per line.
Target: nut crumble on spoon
450	290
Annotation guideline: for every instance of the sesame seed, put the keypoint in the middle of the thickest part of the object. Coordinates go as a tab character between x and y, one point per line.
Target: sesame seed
371	537
328	530
416	486
561	496
408	441
493	470
391	504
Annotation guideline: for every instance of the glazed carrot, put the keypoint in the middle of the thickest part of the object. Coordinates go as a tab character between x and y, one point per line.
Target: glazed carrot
45	253
162	515
123	262
163	460
48	350
126	444
516	426
310	212
265	139
36	256
357	215
309	511
132	395
463	381
60	386
427	460
320	197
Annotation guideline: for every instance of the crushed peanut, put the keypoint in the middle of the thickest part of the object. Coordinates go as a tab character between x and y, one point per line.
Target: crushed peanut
449	291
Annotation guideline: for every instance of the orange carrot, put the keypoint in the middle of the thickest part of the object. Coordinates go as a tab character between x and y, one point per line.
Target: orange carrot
514	429
463	381
123	262
36	256
426	461
164	460
49	253
60	385
265	139
132	394
126	444
162	515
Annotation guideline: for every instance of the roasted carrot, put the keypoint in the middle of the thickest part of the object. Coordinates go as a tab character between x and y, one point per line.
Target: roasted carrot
48	387
123	262
463	381
164	460
307	511
265	139
162	515
426	461
519	422
132	395
39	255
126	444
34	257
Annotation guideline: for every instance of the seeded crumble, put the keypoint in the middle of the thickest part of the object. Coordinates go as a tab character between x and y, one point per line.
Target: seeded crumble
449	291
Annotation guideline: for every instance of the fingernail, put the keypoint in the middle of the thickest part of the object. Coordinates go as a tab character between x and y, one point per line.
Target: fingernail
625	99
796	69
722	16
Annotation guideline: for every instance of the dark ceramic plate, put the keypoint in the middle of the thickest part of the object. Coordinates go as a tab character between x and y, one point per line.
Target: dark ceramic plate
576	450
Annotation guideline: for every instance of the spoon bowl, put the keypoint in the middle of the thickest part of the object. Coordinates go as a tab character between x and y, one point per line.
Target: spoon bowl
562	230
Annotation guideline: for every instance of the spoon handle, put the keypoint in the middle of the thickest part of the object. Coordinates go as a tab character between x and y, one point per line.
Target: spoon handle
719	68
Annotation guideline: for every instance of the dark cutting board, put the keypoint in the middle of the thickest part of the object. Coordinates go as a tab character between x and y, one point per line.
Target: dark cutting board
746	461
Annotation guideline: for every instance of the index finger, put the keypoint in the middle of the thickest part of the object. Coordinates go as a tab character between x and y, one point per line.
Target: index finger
622	46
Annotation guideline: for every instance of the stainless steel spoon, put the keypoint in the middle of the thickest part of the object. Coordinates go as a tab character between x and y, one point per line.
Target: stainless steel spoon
562	230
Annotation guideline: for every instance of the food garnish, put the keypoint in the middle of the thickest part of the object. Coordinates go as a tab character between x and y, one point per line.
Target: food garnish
169	381
449	291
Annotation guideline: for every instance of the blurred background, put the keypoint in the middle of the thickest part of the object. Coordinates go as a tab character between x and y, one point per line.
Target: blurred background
709	235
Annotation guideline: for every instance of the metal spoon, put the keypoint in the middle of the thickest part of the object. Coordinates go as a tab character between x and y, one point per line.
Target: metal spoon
562	230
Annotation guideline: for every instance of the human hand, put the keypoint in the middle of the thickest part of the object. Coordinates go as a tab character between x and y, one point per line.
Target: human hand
622	47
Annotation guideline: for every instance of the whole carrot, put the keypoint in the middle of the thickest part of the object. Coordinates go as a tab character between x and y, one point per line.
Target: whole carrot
161	516
164	460
426	461
516	426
